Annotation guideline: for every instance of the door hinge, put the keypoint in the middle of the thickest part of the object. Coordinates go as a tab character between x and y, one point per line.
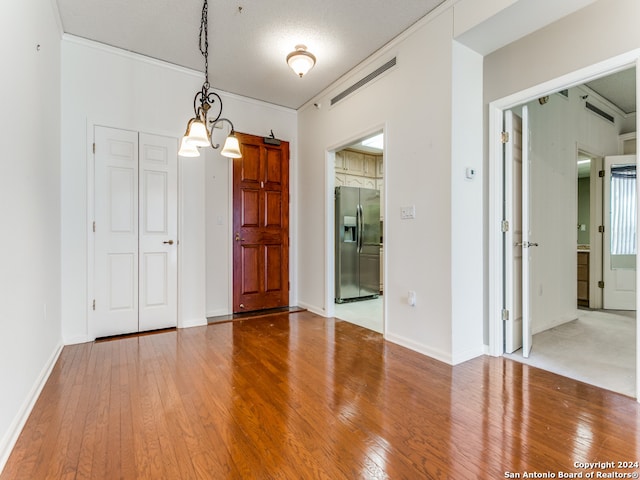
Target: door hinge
94	227
601	228
504	137
505	314
94	147
600	284
94	304
288	285
504	226
601	173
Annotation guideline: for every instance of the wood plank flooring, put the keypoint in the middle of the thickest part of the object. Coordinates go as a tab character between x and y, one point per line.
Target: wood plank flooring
297	396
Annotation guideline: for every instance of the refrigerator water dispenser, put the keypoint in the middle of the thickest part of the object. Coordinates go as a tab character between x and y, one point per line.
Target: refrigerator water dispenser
349	226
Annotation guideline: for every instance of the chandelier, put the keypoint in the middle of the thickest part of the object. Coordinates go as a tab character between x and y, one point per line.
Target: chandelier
207	108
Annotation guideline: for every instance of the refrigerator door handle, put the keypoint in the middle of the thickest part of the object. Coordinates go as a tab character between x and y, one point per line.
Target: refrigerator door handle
360	227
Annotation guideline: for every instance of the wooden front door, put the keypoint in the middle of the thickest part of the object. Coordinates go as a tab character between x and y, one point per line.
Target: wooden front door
260	225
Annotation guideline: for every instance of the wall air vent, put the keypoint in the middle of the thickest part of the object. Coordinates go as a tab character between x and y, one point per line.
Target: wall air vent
600	113
361	83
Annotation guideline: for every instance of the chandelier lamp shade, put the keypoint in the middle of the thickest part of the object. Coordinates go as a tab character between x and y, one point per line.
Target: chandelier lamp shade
301	61
207	109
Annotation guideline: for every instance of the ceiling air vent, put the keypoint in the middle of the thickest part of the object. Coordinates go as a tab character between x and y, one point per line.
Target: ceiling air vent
361	83
600	113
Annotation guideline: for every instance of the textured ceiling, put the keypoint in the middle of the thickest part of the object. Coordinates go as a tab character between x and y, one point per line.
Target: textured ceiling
249	39
619	89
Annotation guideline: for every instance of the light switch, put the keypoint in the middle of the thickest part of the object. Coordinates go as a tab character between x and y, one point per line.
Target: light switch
408	212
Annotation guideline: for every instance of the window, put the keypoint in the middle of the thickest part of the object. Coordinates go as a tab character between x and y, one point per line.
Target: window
623	210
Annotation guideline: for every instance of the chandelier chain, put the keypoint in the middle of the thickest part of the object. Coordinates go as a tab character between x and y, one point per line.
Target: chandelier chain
204	40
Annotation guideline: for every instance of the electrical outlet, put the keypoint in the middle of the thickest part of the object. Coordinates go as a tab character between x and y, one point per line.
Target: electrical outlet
411	298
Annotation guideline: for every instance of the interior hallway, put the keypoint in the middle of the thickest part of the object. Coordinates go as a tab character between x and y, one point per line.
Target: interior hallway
597	348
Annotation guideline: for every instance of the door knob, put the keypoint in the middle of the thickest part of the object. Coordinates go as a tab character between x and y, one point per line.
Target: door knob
526	244
168	242
238	239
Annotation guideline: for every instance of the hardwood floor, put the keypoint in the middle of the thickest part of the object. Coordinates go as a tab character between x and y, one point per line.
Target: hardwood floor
297	396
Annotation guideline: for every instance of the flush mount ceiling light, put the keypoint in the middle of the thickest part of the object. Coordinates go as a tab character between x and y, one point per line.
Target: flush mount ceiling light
300	60
207	107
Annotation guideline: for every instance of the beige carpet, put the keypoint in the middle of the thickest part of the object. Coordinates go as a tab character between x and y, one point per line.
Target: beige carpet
598	348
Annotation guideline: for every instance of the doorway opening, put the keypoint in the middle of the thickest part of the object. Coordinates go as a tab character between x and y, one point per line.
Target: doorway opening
566	287
357	208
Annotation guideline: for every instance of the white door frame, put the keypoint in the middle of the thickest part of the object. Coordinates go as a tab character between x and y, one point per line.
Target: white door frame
496	112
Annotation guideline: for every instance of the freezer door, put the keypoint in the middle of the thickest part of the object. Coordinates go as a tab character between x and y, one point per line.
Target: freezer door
347	240
370	243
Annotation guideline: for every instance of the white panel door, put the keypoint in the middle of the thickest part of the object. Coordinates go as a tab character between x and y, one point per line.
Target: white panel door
527	237
620	229
513	236
135	259
116	232
158	267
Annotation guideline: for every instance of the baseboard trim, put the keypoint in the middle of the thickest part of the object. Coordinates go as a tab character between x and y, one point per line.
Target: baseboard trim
418	347
313	309
78	339
467	355
11	437
193	322
219	312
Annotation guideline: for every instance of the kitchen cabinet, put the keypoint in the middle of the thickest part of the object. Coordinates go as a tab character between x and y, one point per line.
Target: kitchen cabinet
370	183
358	163
340	162
355	181
353	162
343	180
370	166
583	279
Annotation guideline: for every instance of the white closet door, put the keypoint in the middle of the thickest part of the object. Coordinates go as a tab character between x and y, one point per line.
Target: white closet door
527	237
116	232
513	236
136	205
158	232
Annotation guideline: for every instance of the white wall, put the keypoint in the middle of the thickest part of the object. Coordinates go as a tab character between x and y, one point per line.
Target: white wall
414	103
30	337
106	86
467	222
563	47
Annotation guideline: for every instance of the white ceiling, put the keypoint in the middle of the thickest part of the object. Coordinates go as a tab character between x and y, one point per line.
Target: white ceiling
619	88
249	39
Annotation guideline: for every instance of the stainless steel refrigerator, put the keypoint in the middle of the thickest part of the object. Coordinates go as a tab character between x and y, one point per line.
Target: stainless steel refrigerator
357	243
